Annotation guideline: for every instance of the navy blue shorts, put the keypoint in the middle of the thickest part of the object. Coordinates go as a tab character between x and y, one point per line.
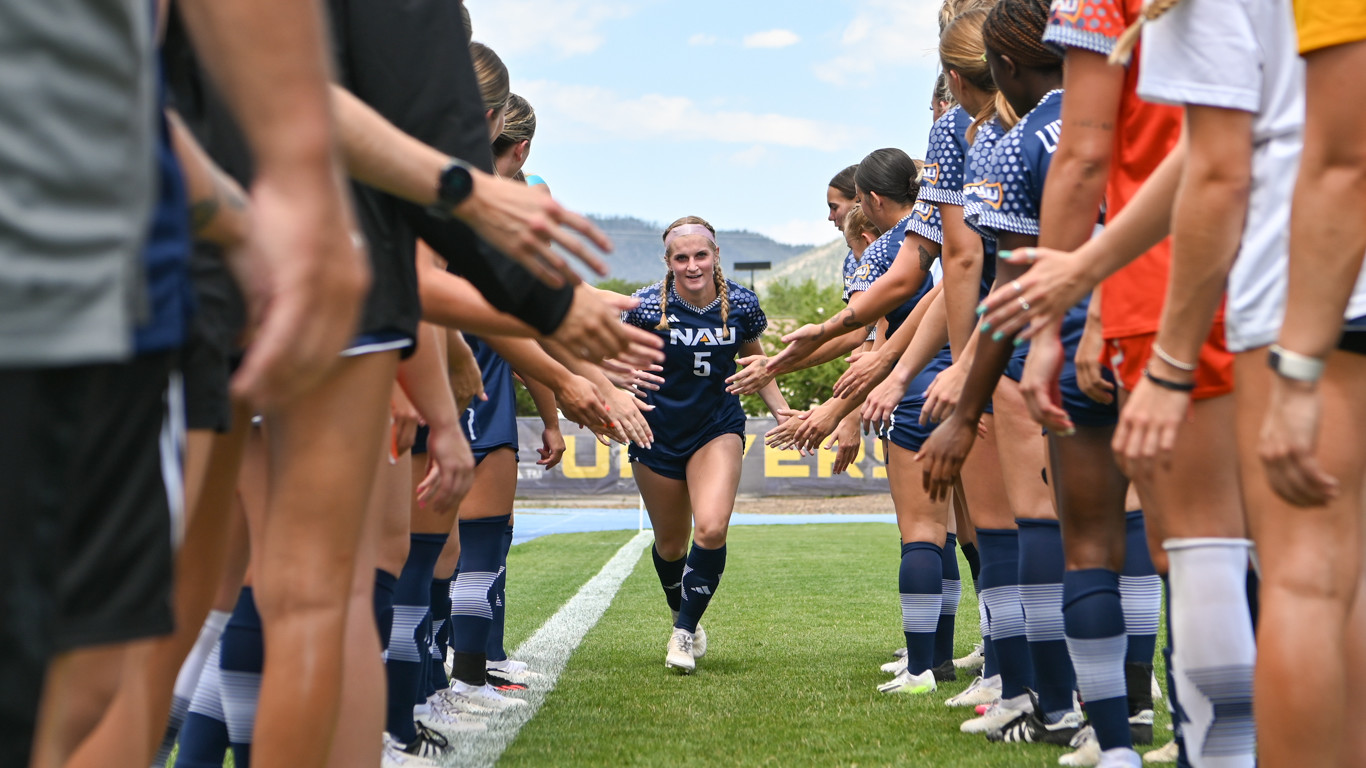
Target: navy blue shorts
907	431
1082	410
672	461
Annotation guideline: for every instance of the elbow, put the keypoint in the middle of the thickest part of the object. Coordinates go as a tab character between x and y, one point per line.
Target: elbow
1085	164
1226	181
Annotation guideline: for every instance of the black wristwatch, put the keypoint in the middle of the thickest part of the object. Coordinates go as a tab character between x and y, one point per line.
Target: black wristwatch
453	187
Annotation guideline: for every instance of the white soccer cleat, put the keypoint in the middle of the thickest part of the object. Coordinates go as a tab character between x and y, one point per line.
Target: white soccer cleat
516	671
909	683
449	722
1087	749
998	716
476	699
982	691
393	756
1119	757
1164	754
899	653
699	639
973	660
1157	689
679	654
895	667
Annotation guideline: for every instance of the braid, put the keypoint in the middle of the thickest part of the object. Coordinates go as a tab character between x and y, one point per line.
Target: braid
722	292
663	324
1015	28
1124	47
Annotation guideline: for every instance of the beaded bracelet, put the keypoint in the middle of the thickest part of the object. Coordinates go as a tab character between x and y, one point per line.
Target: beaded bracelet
1173	362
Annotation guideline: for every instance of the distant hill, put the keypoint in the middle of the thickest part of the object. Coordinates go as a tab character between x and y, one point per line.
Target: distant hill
822	263
639	253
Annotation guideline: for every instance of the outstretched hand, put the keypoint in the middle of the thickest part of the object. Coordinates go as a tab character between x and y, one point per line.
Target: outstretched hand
1042	295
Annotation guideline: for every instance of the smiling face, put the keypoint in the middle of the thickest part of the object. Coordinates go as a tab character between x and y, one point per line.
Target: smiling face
838	204
692	260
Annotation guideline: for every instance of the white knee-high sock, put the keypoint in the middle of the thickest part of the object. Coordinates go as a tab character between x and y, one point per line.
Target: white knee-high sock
1214	650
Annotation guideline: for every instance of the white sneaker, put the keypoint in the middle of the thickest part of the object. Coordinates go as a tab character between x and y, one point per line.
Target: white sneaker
516	671
998	715
982	691
679	653
895	667
1157	689
1119	757
699	639
463	697
973	660
449	722
1087	749
393	756
909	683
1165	754
899	653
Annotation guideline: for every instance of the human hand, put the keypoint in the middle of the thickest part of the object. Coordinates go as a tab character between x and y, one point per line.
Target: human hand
941	397
403	421
942	456
629	423
467	381
800	344
1089	376
1053	285
1289	442
450	468
866	370
304	274
552	447
1040	386
752	376
846	441
592	329
525	225
1149	424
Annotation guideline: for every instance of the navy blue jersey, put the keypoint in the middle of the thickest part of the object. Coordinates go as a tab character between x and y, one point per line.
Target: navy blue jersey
848	270
166	257
877	259
925	221
699	355
942	179
1010	193
979	159
493	423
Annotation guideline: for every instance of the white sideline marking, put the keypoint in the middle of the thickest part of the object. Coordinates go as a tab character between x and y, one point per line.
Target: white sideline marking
547	651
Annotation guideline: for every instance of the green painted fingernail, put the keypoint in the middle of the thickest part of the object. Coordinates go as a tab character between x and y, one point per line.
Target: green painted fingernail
1018	341
981	309
985	326
1005	254
997	336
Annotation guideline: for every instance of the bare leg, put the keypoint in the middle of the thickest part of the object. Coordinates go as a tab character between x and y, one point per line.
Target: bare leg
670	509
322	467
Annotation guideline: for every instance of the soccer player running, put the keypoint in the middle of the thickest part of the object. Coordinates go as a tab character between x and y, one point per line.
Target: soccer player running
689	475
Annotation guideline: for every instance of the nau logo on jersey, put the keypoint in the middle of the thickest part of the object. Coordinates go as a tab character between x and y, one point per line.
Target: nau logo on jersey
987	193
706	337
1049	135
1067	10
923	209
863	272
930	174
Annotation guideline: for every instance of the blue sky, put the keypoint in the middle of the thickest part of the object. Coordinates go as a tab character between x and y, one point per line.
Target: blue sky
736	111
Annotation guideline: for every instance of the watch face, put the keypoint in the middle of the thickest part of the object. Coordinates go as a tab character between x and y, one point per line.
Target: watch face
456	184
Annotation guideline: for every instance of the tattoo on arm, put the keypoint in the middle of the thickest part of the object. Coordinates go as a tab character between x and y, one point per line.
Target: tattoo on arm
202	214
926	259
849	319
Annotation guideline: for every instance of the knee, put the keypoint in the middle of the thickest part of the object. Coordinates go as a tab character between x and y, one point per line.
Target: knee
710	536
671	550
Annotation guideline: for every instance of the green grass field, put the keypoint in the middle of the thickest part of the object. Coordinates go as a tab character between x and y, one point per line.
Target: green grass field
804	618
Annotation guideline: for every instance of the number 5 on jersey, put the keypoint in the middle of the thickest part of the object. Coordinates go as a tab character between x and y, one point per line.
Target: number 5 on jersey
700	365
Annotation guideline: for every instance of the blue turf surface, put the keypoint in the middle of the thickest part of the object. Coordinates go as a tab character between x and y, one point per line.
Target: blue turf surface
532	522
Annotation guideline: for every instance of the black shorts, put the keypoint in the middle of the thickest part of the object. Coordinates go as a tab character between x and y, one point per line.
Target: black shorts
212	351
114	556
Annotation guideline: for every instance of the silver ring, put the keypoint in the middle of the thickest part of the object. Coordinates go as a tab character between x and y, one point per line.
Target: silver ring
1024	305
1016	285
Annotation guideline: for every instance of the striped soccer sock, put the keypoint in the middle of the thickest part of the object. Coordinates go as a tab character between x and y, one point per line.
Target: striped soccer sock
701	578
481	546
1001	593
921	585
494	650
243	655
187	681
1041	588
951	588
204	736
1096	640
405	662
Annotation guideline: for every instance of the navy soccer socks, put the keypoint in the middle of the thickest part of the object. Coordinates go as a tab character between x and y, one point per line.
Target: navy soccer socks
951	587
1001	592
481	548
406	659
1041	593
920	582
670	573
701	577
1096	639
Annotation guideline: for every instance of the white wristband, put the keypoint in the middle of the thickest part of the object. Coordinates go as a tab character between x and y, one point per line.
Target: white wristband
1293	365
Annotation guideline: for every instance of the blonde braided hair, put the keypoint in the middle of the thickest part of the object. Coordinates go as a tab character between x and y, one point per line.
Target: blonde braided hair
718	276
1124	47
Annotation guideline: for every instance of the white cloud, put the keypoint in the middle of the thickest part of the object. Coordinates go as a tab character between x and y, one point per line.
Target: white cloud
749	158
702	38
801	231
772	38
603	114
564	27
883	34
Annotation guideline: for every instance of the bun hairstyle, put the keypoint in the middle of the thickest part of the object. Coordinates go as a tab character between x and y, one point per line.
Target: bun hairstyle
891	173
942	94
1015	28
718	276
519	125
492	74
962	50
844	182
1124	46
857	223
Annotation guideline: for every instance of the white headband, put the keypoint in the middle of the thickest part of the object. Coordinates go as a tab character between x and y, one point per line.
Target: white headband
683	230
